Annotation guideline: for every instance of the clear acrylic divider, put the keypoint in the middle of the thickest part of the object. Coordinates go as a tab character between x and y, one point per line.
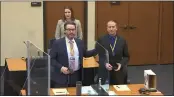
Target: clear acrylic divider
2	79
102	76
38	71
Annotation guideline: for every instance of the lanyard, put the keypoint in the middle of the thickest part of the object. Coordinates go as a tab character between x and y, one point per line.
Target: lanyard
112	48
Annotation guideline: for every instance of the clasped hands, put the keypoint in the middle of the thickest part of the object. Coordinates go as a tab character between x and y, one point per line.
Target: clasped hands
65	70
110	67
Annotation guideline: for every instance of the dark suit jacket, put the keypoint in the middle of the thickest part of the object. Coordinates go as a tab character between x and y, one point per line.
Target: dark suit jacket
121	54
59	58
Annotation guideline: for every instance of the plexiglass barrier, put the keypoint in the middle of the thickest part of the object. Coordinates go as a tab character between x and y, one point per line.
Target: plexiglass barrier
38	71
102	77
2	79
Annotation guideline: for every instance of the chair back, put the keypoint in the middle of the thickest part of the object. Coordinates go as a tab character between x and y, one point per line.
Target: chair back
51	41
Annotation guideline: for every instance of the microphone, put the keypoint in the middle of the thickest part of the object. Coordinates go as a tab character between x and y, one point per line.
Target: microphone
38	53
25	43
95	78
106	52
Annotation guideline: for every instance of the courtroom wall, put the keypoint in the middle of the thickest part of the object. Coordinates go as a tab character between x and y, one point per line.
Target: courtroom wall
91	25
20	22
0	32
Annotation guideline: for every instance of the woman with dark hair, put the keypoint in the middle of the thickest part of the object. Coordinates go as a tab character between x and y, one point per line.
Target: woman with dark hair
68	16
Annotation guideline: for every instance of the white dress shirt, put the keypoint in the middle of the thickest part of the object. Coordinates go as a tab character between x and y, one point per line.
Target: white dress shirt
76	53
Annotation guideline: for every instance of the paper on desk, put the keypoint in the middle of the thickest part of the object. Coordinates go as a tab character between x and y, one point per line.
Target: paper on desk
121	87
60	91
105	87
112	93
88	90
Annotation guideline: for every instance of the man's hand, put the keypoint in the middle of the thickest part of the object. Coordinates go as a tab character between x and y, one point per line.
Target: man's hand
119	67
108	66
64	70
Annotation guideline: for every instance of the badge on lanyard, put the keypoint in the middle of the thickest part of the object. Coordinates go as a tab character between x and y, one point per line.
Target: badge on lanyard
113	47
72	63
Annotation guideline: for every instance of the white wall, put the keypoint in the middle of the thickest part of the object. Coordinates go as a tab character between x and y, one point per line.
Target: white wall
20	22
91	24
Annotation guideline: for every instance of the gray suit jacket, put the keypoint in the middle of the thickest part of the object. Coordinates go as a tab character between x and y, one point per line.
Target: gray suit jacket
60	32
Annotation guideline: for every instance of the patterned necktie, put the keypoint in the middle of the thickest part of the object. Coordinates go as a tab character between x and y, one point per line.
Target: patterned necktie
71	48
72	59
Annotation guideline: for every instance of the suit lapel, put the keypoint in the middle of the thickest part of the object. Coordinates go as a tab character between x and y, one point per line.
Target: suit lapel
65	49
108	44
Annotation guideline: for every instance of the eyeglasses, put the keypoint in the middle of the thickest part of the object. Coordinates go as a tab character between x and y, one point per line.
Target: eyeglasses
70	29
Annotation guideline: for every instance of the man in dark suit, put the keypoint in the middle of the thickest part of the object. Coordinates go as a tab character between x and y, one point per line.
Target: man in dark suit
118	55
67	58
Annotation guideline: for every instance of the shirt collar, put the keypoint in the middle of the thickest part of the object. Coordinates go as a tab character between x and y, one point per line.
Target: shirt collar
112	37
67	40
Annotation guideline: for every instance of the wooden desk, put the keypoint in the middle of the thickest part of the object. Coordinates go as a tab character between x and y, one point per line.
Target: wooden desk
89	62
17	70
133	87
16	64
15	75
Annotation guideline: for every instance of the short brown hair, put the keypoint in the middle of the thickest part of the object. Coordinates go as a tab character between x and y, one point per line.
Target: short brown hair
113	21
69	23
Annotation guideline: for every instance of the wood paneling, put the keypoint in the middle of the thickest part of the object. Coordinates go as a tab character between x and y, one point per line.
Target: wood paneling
54	10
0	31
105	12
143	40
151	42
166	42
